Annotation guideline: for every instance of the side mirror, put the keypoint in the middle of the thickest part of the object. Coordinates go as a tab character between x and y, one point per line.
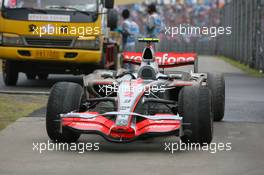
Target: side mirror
109	4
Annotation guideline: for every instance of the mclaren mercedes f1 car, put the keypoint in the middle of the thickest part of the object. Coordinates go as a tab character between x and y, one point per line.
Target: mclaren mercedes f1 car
124	106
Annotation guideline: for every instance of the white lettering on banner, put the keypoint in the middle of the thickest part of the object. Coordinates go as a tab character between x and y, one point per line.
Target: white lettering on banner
164	60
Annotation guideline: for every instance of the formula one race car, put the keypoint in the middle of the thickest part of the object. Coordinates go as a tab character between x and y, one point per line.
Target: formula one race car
123	106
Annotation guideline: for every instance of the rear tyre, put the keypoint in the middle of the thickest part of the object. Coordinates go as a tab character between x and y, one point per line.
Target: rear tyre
195	108
43	76
64	97
216	84
10	73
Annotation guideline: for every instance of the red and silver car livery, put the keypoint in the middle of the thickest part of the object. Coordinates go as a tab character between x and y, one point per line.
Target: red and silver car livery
123	106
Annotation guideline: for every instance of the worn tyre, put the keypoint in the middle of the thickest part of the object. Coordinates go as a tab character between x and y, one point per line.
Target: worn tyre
216	84
10	73
64	97
195	108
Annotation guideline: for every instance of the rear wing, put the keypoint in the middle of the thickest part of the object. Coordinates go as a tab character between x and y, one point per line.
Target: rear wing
164	59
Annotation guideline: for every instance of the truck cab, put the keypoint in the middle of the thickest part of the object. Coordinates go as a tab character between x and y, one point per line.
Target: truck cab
42	37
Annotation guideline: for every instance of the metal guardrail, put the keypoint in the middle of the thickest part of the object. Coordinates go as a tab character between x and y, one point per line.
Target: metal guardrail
246	44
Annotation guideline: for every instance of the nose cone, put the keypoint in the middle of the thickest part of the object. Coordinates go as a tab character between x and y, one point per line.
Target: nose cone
122	132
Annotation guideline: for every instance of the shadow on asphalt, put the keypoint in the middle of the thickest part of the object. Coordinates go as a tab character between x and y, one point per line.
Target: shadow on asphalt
39	85
48	83
135	147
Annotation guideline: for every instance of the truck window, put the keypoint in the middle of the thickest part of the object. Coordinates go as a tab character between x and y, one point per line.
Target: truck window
82	5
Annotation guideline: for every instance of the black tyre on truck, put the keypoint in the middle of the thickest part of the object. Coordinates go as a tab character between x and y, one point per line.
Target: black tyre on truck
195	108
10	72
216	84
64	97
112	19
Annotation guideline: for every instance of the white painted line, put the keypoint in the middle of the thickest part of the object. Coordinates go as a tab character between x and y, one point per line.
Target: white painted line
23	92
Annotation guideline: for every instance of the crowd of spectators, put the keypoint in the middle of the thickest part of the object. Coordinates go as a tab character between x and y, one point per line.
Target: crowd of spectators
176	12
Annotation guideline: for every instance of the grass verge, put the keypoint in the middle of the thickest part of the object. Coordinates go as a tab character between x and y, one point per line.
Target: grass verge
13	107
243	67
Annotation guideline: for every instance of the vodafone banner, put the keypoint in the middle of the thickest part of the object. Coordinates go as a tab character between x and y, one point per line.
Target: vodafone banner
164	59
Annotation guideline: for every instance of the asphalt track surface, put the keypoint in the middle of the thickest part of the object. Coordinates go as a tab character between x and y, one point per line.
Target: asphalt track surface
242	127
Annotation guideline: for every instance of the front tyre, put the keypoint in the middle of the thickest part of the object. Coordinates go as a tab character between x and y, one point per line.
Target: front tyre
10	73
195	108
64	97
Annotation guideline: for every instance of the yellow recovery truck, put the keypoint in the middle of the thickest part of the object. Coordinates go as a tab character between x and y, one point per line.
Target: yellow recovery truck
42	37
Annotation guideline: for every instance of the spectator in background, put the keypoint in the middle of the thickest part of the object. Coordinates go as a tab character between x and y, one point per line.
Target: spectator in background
130	31
179	12
154	24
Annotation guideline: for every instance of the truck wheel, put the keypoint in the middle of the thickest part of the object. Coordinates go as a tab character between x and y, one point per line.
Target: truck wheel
64	97
10	73
112	19
31	76
43	76
216	84
195	108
